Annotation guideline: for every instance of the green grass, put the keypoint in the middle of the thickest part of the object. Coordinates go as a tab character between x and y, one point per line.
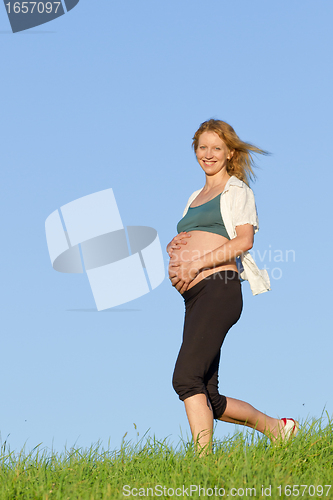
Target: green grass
245	462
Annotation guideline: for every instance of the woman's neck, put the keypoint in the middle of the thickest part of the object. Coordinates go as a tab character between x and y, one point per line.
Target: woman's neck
216	182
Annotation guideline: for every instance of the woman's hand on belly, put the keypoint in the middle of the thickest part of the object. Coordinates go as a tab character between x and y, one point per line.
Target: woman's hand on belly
179	239
182	273
184	266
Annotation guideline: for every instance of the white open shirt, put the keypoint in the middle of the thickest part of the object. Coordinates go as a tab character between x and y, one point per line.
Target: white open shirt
238	207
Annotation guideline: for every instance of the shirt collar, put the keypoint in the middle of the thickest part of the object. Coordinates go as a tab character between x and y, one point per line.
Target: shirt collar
233	181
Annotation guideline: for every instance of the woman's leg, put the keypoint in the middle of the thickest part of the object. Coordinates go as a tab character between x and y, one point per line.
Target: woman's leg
239	412
212	307
201	421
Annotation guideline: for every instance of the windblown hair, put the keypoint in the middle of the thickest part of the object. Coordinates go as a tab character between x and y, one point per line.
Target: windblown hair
241	163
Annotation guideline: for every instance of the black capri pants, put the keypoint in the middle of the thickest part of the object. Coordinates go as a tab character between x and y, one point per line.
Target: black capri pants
212	306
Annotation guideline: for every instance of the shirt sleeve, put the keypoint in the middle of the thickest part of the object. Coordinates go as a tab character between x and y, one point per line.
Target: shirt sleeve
245	210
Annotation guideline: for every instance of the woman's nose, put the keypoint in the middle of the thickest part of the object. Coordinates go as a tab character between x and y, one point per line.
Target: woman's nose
209	153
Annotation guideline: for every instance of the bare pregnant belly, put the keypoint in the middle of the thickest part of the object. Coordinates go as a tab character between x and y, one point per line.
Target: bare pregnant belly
198	244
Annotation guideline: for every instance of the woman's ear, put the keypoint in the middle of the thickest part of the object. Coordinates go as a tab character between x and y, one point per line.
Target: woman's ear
231	154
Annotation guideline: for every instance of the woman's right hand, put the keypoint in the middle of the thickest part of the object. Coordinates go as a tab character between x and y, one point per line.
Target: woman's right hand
178	240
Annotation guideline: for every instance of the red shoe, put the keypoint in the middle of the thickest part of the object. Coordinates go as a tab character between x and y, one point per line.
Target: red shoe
290	428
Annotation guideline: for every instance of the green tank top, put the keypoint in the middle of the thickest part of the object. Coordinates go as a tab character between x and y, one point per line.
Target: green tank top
205	217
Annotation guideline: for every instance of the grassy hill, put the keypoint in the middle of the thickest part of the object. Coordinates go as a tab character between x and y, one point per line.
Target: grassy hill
241	466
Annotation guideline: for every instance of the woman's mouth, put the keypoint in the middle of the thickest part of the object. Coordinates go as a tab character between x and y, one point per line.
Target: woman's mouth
209	163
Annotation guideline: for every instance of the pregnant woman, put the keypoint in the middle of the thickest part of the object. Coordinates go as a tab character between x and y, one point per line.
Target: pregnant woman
208	257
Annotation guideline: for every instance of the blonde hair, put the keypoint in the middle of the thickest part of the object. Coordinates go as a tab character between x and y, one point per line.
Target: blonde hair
241	163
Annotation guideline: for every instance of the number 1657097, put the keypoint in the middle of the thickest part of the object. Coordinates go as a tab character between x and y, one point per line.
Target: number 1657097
32	7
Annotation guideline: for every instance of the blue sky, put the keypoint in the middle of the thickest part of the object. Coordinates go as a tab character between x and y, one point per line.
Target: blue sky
110	96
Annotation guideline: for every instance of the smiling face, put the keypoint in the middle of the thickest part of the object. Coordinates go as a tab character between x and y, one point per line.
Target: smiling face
212	153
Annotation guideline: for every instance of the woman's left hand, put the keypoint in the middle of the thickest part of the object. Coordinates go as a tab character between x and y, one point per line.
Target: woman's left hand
182	273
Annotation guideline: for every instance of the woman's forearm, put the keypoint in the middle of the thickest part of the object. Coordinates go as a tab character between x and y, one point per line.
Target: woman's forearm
223	254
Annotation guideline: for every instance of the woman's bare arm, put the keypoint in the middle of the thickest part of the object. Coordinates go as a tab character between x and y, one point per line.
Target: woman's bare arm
229	250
